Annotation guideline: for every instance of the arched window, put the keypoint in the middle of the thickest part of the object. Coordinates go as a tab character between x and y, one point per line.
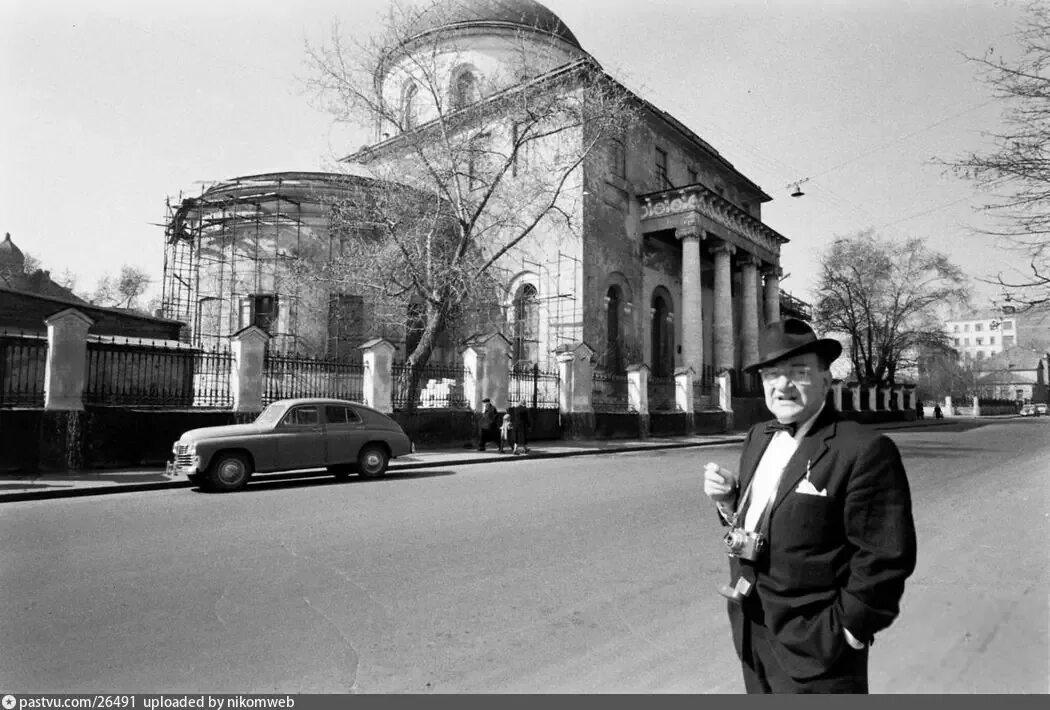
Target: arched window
662	329
464	90
614	354
526	325
409	106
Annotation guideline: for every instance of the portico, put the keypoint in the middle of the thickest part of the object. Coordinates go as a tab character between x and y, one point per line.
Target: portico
730	274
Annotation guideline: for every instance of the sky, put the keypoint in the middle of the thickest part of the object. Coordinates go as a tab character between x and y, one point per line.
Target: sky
110	107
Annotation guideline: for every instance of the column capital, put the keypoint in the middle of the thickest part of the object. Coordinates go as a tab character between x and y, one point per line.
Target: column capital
772	271
723	247
689	231
746	258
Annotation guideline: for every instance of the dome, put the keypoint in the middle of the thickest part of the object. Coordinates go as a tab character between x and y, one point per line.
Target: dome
11	257
520	14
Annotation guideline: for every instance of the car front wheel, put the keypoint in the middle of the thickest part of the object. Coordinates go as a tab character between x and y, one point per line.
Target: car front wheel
229	472
372	461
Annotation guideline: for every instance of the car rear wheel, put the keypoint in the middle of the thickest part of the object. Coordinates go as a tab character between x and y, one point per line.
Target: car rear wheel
229	472
372	461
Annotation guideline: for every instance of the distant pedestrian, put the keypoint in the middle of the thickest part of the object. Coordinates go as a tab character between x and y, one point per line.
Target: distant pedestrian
505	433
919	410
488	424
520	424
937	413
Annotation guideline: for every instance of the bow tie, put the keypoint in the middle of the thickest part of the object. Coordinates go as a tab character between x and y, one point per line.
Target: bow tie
774	426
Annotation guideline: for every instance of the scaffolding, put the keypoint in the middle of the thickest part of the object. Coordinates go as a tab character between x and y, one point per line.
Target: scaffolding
228	254
561	310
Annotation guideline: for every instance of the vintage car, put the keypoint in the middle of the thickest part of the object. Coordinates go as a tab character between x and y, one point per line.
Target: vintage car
1029	410
291	434
1041	409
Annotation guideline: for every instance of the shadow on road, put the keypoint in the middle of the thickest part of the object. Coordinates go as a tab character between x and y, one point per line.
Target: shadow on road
323	479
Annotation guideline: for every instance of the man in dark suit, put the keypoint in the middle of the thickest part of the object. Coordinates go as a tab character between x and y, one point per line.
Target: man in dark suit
831	503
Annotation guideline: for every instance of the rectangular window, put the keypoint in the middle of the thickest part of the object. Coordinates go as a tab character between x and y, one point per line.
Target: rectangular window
978	327
979	341
1008	340
991	340
956	328
259	309
1008	325
966	327
956	342
662	181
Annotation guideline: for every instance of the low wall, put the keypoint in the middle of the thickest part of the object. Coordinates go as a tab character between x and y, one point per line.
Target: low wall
438	426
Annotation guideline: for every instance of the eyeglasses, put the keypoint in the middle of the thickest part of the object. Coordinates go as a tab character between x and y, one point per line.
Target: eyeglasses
799	374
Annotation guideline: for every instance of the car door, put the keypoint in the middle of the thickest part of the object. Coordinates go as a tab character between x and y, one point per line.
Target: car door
300	438
345	433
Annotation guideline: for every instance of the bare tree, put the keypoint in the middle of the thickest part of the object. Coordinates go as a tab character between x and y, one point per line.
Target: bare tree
121	291
885	296
1017	170
469	167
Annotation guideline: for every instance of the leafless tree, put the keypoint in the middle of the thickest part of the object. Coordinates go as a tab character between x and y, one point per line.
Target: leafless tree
467	172
1017	171
122	290
885	296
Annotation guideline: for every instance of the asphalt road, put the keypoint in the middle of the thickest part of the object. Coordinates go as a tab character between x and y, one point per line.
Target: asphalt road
588	575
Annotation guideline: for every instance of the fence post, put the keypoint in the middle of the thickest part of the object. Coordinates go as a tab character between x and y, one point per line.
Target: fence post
854	392
577	386
638	388
377	381
948	411
836	389
976	406
725	395
248	346
473	375
493	359
900	398
66	371
873	397
886	394
683	390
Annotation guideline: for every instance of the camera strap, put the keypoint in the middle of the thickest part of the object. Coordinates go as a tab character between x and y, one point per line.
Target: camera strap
738	517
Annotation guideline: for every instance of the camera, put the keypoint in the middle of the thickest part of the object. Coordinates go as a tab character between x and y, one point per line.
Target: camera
744	544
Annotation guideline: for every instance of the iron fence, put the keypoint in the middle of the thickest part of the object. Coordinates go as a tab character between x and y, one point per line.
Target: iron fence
609	392
289	376
662	394
440	386
123	373
211	379
23	359
539	388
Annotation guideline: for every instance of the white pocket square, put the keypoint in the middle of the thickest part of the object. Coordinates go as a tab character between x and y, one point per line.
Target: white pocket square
809	489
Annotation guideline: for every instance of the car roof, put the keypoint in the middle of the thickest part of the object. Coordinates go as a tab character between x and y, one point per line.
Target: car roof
324	400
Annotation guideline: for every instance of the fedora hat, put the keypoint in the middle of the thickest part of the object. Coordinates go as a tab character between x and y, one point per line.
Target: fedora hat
789	337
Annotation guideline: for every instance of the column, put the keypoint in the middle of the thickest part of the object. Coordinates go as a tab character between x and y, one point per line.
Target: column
65	373
577	379
886	392
692	300
836	388
723	323
248	346
378	384
854	390
900	398
771	292
749	310
489	358
873	397
473	379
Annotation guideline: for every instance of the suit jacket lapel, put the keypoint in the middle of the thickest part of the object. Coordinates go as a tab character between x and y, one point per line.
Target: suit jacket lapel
810	450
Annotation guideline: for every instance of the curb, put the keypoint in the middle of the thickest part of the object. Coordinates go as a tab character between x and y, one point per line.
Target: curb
320	473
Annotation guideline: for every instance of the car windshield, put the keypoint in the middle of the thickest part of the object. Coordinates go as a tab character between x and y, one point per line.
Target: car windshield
272	414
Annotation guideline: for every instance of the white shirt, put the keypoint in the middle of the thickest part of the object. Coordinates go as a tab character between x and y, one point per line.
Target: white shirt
770	468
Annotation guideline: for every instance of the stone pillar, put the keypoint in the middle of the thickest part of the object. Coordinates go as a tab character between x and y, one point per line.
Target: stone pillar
473	379
749	310
836	390
886	394
65	373
900	398
854	391
771	293
692	301
948	411
378	357
248	346
638	388
489	358
873	397
976	407
683	389
723	323
577	385
725	396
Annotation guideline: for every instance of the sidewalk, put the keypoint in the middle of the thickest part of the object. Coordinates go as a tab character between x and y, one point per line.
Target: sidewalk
20	487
